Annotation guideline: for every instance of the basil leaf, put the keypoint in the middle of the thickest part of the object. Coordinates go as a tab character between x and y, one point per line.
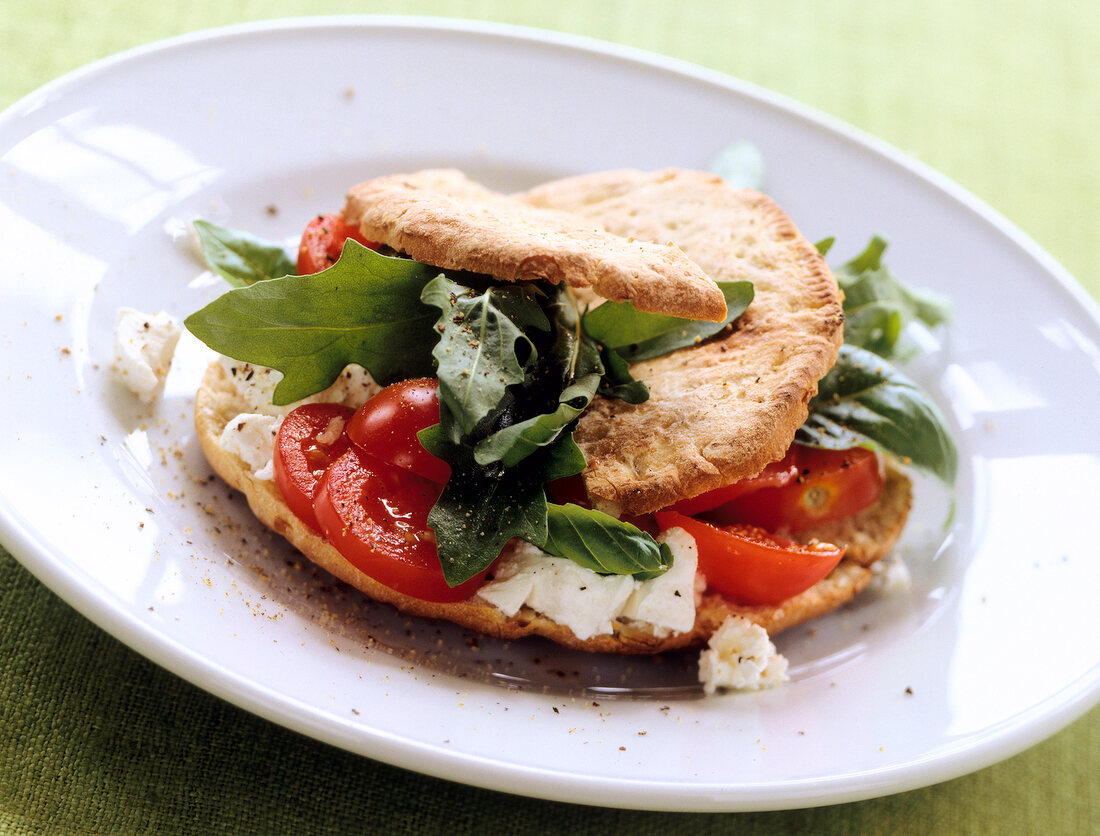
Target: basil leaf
480	510
617	380
604	544
240	257
476	356
878	305
825	244
863	401
637	335
364	309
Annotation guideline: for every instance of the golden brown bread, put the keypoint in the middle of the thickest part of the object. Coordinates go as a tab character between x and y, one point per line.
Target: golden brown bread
720	411
442	218
217	403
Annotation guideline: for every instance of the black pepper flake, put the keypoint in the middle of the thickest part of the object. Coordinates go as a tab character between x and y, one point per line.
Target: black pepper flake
908	691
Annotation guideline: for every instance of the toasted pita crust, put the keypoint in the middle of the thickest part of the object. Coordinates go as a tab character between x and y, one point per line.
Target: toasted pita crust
442	218
720	411
217	403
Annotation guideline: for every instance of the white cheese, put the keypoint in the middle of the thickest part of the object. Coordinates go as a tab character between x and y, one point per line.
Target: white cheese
740	656
256	387
891	577
251	436
144	345
589	603
668	601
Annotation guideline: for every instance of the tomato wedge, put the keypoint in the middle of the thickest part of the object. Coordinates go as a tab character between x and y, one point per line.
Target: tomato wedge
376	515
750	565
387	424
310	438
831	485
323	241
775	475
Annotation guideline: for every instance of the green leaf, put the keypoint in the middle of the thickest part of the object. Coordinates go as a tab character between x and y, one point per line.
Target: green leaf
878	305
604	544
636	335
513	444
562	458
364	309
480	510
617	380
241	258
863	401
572	363
476	356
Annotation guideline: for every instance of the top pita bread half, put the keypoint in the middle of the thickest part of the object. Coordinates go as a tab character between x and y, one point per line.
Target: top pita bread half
718	411
443	218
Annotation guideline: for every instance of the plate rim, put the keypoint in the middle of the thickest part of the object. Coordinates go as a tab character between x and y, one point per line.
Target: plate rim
1055	712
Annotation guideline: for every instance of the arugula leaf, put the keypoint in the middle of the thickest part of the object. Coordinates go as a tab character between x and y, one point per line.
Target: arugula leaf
476	355
636	335
863	401
573	363
617	381
364	309
877	305
513	444
604	544
240	257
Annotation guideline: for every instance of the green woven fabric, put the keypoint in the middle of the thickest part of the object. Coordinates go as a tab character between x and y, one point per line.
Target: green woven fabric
1004	99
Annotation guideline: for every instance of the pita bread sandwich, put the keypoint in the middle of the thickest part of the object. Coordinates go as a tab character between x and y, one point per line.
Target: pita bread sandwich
616	410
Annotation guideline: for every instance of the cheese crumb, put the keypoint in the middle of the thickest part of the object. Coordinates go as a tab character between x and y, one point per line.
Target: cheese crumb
251	437
144	345
740	656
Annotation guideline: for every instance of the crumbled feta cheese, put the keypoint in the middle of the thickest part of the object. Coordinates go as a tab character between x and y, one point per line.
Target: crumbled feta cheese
251	436
256	386
668	601
144	345
891	576
741	656
587	602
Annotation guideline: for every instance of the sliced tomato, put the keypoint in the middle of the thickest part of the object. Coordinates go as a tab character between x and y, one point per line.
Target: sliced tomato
749	565
831	485
776	474
310	438
323	241
387	424
376	515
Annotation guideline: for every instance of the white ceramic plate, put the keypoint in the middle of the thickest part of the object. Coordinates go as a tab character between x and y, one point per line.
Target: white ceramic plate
993	648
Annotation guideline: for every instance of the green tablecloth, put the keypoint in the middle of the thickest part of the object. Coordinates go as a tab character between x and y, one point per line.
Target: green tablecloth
1003	98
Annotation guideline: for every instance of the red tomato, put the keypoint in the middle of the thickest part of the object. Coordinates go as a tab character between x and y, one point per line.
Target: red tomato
749	565
323	241
376	516
831	485
775	475
387	424
310	438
